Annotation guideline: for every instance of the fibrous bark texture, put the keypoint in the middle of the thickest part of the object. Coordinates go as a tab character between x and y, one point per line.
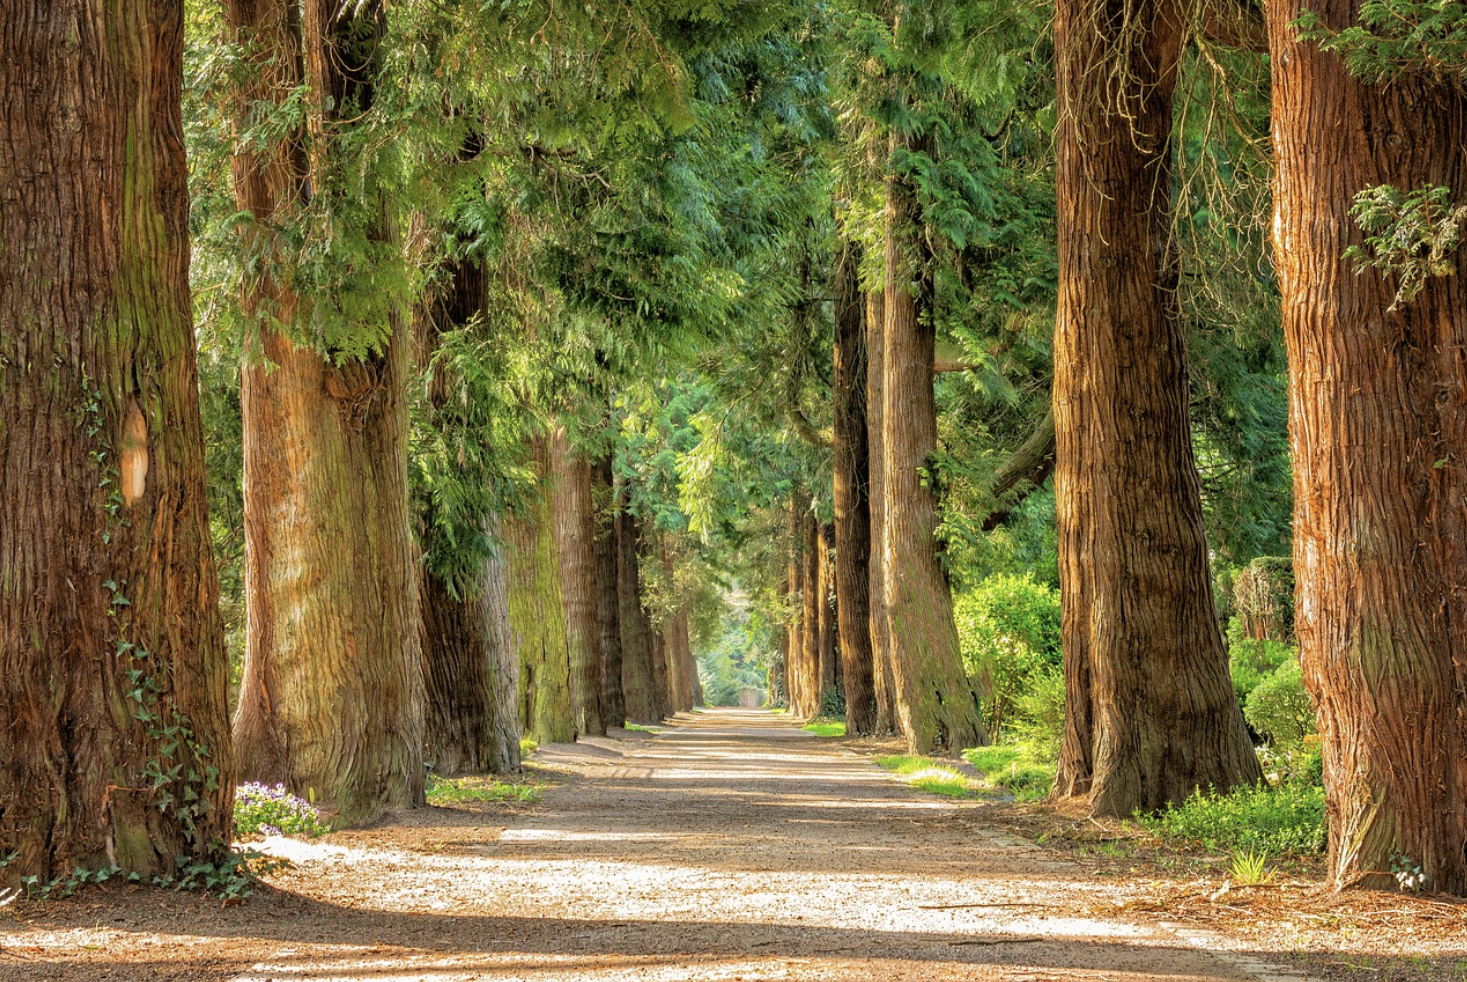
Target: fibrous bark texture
638	679
1150	711
852	511
537	614
331	702
575	536
937	708
1378	422
114	744
608	604
883	684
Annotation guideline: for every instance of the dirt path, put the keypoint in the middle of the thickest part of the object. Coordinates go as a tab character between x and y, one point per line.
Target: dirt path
731	846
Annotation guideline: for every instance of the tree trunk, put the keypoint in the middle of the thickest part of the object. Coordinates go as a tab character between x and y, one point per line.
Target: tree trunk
1150	711
883	683
936	705
852	511
110	636
638	680
829	672
608	612
467	651
575	535
810	603
331	702
537	614
1379	432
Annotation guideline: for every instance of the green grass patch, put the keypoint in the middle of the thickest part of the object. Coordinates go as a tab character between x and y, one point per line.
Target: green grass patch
480	790
931	776
1279	821
825	728
1024	769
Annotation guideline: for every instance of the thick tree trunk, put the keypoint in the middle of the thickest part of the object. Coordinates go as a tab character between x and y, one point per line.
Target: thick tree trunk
114	743
638	680
937	708
883	683
575	536
467	654
331	702
829	672
1379	431
537	615
1150	711
810	603
852	511
608	603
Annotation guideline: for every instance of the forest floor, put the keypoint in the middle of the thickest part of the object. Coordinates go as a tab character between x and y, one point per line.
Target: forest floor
732	846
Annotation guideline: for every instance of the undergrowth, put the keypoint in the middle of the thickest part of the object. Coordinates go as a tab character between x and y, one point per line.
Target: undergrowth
483	790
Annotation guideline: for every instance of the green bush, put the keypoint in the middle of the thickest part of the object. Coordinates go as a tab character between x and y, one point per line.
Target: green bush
1250	661
1009	630
1283	820
1279	708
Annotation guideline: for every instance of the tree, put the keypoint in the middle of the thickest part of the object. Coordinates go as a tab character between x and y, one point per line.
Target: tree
113	673
331	702
1377	424
1150	713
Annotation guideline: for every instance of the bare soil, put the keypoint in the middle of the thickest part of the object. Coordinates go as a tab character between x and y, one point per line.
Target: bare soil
734	846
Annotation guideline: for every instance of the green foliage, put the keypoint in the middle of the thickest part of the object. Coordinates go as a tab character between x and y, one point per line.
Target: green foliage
1283	820
1279	708
1411	234
265	810
480	790
826	728
1398	39
1009	631
1024	769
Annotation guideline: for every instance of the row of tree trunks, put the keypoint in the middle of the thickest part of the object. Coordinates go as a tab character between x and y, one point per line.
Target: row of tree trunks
1150	711
104	538
1379	432
575	536
331	702
936	706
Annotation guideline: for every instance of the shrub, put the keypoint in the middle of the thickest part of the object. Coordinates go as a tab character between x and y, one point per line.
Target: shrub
1288	819
1279	708
271	810
1009	629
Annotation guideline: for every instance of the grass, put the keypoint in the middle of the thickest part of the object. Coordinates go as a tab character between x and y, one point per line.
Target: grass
931	776
1287	820
825	728
1024	769
480	790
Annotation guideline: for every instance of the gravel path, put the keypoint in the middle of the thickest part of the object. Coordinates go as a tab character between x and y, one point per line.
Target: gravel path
730	846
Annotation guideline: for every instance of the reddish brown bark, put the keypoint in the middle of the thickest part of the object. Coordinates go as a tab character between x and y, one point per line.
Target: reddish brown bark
575	536
1151	714
105	563
1379	432
331	702
883	683
937	708
852	510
